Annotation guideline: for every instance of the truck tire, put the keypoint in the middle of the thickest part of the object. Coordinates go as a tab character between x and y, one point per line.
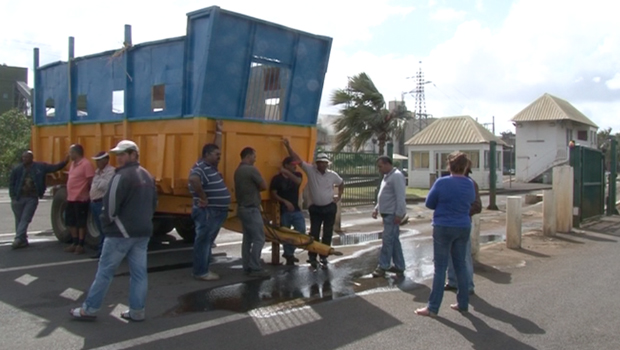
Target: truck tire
93	236
59	204
161	226
185	228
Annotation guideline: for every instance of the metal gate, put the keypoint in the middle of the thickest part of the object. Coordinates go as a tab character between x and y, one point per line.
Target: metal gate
589	185
360	175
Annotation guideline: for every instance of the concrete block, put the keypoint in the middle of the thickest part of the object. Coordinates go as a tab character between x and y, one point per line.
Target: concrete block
513	222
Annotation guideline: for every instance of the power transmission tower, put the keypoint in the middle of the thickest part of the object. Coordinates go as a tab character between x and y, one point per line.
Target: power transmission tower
420	100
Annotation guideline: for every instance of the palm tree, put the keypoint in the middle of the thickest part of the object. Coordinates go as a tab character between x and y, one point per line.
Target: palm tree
364	116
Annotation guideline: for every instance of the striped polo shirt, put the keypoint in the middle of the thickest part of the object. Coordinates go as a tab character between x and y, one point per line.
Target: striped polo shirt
212	184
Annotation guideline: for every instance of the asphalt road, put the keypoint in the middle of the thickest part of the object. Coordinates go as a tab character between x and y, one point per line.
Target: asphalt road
568	301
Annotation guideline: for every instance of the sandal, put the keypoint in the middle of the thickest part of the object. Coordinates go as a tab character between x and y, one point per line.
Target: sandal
126	315
78	313
424	311
455	307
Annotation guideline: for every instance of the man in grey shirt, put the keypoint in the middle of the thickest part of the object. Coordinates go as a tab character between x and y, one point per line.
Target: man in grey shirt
392	206
248	185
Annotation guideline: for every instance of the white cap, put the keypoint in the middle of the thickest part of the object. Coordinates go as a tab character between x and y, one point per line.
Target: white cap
322	157
124	146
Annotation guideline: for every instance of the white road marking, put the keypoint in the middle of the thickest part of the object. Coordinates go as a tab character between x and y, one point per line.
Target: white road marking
26	279
175	332
116	312
283	316
72	294
12	234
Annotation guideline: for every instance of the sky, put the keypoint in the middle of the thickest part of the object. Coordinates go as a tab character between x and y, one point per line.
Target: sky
483	58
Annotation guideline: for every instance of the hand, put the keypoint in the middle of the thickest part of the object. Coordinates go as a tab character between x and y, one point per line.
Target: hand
219	126
337	199
289	206
286	142
375	214
202	202
397	220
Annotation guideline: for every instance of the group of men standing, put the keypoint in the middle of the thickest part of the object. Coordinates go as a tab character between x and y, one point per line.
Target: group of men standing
211	201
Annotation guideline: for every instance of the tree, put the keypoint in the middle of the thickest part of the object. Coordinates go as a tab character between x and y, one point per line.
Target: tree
14	140
363	115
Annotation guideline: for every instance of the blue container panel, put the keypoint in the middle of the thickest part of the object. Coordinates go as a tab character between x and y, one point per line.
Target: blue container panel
197	46
54	82
97	77
308	78
274	43
227	68
159	64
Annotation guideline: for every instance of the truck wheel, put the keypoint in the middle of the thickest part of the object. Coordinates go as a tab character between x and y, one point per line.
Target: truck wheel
93	236
185	228
59	204
161	226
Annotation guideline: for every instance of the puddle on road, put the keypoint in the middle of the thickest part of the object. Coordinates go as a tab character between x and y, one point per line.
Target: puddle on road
491	238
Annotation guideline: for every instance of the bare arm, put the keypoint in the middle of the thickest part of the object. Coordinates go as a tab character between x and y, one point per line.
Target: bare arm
290	175
218	134
196	184
291	152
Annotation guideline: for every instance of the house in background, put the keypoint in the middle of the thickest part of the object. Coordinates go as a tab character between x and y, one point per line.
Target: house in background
428	151
14	90
543	131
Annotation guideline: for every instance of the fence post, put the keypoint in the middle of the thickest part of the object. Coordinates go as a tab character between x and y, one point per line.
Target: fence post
563	197
513	222
338	222
549	219
475	236
613	173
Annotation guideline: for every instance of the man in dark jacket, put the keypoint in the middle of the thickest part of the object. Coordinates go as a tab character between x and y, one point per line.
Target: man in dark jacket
475	208
26	186
127	215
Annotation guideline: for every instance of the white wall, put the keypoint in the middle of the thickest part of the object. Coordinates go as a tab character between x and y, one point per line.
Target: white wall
420	178
541	145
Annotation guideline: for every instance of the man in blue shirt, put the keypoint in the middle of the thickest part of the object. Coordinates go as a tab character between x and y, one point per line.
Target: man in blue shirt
26	186
210	208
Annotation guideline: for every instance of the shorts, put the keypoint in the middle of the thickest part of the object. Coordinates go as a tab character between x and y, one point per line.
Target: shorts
76	214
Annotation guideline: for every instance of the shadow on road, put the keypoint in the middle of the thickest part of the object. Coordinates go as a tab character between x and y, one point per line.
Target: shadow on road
492	274
523	325
590	237
532	253
485	337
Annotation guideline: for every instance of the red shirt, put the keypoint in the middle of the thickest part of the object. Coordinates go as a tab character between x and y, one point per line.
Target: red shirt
78	185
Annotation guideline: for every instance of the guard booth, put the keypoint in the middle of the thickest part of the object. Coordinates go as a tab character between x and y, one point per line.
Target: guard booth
589	184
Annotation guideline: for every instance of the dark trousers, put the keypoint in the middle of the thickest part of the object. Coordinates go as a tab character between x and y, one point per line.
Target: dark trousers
322	216
23	209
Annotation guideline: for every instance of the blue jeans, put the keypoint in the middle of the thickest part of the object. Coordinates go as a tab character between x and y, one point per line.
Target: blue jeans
391	248
295	219
253	238
208	222
96	209
449	242
23	210
469	263
115	249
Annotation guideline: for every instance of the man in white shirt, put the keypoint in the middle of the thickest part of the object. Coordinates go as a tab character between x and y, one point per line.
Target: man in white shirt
98	189
322	209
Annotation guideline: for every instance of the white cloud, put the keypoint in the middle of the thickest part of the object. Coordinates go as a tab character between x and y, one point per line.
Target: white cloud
447	15
614	83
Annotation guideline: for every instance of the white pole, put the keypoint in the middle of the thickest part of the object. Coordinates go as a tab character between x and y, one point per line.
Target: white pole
549	217
563	193
513	222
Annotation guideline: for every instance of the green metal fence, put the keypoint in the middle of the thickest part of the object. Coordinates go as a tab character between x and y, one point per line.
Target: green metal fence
589	185
360	175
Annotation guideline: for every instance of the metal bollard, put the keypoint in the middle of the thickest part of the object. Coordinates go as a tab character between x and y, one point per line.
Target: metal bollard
513	222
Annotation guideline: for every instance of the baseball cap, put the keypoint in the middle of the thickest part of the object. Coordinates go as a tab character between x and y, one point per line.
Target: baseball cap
124	146
290	160
101	155
322	157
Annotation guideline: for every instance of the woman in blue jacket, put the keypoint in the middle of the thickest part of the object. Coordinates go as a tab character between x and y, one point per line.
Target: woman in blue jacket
451	198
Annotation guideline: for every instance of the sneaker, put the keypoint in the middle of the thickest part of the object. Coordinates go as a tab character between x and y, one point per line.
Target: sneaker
313	263
449	287
260	274
79	250
290	260
71	248
378	272
18	243
324	261
397	271
210	276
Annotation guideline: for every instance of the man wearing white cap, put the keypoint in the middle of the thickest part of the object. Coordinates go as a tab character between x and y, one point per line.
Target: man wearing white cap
127	215
98	189
322	209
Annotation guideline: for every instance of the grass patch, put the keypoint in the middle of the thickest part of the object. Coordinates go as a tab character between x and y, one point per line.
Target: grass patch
417	192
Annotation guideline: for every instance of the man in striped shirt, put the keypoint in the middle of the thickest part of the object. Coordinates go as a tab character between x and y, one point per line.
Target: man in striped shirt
210	208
